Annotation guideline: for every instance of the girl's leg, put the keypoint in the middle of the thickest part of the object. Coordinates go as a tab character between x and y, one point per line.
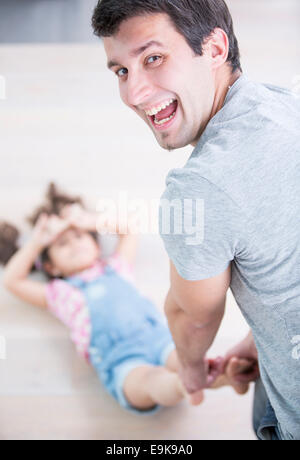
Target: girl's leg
148	386
172	362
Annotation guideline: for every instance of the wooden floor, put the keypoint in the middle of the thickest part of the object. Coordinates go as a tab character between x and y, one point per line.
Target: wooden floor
48	392
63	120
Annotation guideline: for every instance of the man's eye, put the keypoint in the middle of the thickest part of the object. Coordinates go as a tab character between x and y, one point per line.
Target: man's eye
119	72
153	58
122	72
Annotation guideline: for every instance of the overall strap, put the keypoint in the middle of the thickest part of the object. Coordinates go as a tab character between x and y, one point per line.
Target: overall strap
80	283
76	282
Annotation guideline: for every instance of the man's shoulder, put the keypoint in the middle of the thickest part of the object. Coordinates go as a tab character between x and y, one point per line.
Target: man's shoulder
241	138
186	181
192	188
254	124
248	103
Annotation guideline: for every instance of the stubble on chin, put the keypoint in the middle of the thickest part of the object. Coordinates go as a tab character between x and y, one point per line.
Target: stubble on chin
162	140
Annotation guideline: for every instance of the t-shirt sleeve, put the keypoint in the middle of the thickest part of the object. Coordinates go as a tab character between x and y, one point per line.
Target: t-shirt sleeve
122	267
200	226
64	301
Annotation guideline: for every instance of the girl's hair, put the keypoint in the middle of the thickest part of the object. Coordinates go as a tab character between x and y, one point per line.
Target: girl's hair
55	201
9	237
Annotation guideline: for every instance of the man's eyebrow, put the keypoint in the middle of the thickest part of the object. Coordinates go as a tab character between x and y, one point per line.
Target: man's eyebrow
137	52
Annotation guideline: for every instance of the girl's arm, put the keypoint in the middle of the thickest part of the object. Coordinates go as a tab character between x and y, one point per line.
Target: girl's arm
79	217
16	276
127	247
17	271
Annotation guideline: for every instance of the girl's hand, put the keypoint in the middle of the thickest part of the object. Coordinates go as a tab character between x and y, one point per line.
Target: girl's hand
234	369
47	229
78	217
245	350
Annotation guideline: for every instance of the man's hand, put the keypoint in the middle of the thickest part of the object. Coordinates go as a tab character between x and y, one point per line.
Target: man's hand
199	377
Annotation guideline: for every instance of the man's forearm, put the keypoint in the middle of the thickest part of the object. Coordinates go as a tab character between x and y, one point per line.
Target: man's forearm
192	337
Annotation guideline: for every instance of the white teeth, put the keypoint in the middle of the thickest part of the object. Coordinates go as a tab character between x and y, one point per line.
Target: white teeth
161	122
156	110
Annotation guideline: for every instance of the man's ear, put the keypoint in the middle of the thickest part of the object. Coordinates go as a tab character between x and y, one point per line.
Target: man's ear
48	267
218	44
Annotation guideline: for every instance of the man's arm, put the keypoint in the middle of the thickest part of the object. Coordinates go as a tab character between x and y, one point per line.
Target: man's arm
195	310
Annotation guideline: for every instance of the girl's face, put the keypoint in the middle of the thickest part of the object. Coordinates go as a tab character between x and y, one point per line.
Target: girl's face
73	251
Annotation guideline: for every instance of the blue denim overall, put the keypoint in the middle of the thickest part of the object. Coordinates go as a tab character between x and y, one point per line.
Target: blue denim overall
127	330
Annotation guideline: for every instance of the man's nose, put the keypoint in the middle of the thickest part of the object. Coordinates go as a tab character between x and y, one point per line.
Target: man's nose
138	90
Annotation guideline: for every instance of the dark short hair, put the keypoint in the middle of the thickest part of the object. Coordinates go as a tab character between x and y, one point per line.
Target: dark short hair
193	19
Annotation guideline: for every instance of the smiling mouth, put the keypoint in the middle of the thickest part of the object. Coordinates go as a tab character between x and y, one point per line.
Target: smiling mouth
163	118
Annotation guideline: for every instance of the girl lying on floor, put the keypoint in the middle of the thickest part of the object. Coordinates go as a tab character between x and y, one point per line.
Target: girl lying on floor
119	331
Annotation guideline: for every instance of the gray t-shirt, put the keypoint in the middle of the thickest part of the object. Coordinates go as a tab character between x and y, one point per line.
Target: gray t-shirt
240	195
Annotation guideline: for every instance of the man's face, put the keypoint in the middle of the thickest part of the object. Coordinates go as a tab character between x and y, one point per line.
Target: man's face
162	79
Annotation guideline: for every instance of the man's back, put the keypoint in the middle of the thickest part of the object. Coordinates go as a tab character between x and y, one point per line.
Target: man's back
246	167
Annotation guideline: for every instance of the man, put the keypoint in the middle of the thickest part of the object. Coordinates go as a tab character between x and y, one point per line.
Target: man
179	69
